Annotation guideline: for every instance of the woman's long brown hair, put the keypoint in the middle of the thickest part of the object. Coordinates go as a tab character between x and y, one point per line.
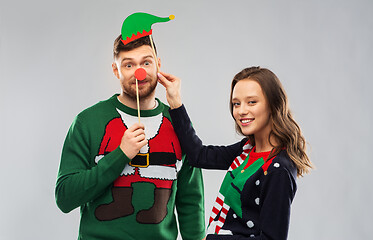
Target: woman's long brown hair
284	128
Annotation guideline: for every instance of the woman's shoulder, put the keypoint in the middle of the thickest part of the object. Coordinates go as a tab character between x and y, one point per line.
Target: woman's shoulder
282	162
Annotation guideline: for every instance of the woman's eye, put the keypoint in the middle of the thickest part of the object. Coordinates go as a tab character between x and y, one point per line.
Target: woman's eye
252	102
236	104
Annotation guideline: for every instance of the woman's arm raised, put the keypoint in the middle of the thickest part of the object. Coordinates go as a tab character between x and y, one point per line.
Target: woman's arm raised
199	155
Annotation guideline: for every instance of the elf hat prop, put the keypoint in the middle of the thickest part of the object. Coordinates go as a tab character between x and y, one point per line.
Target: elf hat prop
139	25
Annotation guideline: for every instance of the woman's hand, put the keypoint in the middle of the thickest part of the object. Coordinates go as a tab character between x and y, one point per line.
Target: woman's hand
172	85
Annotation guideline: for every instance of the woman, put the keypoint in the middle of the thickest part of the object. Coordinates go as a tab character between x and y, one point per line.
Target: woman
256	194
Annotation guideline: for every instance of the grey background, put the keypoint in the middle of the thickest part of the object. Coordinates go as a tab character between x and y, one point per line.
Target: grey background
55	60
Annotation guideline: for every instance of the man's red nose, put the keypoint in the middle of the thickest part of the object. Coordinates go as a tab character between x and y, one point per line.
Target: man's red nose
140	74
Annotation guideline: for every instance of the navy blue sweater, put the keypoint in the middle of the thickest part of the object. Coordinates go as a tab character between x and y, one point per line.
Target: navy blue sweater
265	196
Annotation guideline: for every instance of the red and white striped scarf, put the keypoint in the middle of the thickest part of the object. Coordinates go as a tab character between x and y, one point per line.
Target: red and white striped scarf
219	205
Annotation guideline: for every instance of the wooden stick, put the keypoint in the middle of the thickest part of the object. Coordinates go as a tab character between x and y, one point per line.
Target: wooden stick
138	101
155	56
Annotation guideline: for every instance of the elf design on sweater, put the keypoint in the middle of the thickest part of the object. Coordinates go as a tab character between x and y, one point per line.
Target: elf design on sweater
255	197
158	163
242	168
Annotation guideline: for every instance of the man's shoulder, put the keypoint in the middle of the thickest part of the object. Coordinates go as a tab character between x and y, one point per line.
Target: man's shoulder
98	108
165	106
165	110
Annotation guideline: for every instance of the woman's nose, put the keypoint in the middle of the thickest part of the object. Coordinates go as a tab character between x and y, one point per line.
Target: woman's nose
243	110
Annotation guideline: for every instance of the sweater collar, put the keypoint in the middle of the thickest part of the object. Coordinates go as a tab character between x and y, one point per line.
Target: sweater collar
257	155
133	112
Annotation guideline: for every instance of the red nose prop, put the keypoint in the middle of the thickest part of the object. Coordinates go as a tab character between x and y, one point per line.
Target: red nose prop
140	74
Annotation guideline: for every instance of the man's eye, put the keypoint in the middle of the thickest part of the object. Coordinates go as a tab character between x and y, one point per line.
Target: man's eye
147	63
128	65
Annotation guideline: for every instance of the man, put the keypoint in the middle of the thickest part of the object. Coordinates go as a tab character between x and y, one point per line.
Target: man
128	177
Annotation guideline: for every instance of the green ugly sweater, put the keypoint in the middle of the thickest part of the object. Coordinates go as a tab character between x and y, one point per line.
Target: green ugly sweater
120	198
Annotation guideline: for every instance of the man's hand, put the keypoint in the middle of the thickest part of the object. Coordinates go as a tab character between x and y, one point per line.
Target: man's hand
133	140
172	85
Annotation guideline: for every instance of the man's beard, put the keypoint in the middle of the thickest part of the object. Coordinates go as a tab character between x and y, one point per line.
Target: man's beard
143	93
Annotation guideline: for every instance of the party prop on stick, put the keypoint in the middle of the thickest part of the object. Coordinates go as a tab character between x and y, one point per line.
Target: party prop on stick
139	25
140	74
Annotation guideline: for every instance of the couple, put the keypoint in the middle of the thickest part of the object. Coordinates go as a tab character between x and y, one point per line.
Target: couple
128	177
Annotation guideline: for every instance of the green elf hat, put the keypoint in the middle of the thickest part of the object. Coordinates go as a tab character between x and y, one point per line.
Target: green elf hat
139	25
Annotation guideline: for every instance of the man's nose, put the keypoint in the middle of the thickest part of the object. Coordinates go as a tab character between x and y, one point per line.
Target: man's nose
140	74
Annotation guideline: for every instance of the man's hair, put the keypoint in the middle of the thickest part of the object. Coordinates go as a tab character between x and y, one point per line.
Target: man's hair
120	47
